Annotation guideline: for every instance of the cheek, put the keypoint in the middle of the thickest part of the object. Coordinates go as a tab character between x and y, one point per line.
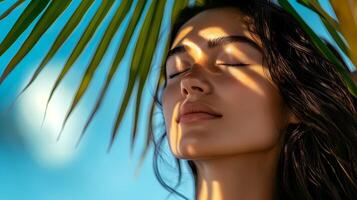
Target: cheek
170	110
253	117
167	107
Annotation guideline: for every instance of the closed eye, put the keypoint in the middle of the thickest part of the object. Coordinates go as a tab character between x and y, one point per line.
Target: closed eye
226	64
173	75
237	64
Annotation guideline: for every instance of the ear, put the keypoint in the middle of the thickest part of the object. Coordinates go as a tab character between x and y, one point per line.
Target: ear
292	118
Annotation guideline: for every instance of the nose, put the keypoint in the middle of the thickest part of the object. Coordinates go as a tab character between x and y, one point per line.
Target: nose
193	83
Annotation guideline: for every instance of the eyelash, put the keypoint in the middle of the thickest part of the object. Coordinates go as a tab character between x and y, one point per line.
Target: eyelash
238	64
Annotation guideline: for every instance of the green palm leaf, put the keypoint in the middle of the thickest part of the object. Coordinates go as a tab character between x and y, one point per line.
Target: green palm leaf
346	12
322	47
330	23
115	64
61	38
51	14
146	62
21	24
13	7
87	35
98	55
134	66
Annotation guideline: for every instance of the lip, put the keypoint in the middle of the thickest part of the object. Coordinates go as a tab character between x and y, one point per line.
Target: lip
196	111
194	117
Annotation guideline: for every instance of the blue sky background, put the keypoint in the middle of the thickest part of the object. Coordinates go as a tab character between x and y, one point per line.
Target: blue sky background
34	166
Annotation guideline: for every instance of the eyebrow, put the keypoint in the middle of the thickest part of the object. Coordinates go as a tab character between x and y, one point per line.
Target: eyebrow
211	43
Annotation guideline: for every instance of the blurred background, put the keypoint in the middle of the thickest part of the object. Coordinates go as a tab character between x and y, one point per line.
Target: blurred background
34	165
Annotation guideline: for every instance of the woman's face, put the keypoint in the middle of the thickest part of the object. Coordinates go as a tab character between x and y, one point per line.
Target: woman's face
251	110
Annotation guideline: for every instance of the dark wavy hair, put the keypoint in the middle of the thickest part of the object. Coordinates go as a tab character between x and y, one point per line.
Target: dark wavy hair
318	159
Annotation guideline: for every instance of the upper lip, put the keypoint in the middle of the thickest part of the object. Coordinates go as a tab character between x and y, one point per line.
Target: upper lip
196	107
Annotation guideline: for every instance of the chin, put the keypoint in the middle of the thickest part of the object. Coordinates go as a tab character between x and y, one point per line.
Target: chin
190	152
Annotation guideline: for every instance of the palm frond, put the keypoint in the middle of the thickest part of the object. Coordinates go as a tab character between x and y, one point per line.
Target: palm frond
330	23
98	55
115	64
60	40
30	13
87	35
134	66
322	47
53	11
13	7
146	62
346	12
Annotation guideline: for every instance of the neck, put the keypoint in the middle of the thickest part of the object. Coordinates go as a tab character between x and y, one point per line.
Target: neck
249	176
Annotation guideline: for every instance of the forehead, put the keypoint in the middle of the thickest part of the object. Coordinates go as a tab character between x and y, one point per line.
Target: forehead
211	24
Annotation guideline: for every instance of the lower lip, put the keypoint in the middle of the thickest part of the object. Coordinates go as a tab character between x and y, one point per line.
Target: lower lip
194	117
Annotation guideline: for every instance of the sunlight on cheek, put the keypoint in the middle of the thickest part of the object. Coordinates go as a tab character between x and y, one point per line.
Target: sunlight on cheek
175	132
249	78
